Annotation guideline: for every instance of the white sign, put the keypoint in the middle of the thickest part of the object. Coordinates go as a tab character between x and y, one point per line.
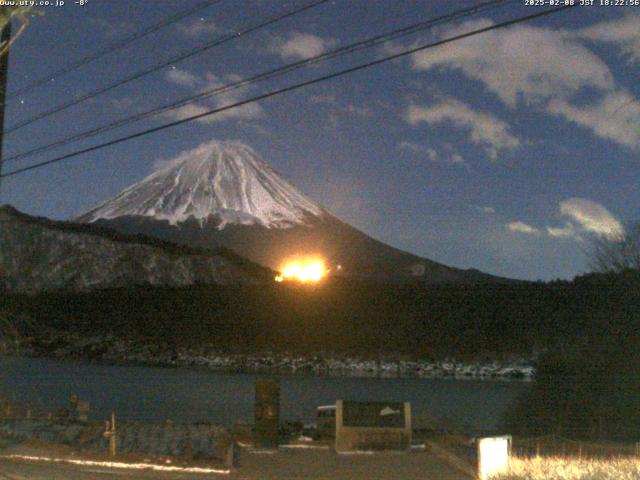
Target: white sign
493	457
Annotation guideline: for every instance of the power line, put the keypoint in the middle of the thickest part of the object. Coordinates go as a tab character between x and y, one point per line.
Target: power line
113	47
289	89
360	45
164	64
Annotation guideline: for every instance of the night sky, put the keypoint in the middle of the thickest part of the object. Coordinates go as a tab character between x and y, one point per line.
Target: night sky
507	152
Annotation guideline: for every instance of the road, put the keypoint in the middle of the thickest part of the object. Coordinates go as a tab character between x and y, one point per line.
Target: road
283	465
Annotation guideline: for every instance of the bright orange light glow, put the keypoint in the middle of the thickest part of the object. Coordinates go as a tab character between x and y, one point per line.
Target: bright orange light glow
307	270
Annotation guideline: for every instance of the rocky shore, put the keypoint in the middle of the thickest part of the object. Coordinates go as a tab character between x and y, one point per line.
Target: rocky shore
109	349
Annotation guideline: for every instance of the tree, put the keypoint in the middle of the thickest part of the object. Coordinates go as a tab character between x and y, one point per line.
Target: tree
619	254
7	14
8	333
590	388
13	328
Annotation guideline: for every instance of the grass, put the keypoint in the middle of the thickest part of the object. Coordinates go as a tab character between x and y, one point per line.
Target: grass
571	468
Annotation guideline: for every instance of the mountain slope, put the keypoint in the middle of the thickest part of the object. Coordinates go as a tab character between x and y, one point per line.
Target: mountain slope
225	179
37	254
224	194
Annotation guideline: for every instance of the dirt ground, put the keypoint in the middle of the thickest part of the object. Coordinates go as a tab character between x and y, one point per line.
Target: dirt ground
286	464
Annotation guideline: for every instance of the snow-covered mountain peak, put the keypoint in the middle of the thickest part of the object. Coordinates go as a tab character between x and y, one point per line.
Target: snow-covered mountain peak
227	180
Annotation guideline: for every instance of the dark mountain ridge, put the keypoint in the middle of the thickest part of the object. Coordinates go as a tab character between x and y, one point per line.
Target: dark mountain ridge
37	254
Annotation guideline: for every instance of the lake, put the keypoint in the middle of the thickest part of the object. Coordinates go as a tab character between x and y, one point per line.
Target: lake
153	394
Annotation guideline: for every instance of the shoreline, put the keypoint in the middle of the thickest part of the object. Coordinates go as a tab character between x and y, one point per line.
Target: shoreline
110	350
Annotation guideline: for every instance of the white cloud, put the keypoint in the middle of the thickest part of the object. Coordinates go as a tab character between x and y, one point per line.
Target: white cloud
623	32
562	232
208	82
199	26
544	69
111	29
484	128
614	117
457	158
340	106
592	217
300	46
430	153
522	227
418	149
182	77
358	111
582	215
489	210
532	63
189	110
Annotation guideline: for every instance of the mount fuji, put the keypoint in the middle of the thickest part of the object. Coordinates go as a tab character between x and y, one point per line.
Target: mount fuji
224	194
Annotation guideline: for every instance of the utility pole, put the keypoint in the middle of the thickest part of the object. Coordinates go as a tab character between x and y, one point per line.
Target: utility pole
4	71
110	434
